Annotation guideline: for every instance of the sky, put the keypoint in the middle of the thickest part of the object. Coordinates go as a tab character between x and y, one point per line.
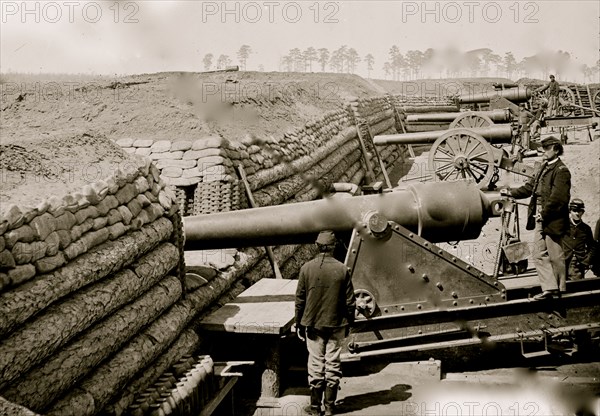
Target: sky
128	37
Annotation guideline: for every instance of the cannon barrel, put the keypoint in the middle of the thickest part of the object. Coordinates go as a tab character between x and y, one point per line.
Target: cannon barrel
498	115
514	94
438	212
410	109
500	133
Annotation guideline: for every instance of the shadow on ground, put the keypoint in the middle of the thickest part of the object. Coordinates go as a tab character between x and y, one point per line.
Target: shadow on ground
397	393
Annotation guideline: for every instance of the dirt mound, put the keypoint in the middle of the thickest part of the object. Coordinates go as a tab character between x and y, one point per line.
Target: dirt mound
173	106
56	129
33	171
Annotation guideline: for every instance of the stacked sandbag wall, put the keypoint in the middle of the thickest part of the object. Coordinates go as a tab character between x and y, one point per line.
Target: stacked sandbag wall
200	171
92	293
411	104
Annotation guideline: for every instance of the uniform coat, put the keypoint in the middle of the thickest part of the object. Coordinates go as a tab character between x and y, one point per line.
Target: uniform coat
551	186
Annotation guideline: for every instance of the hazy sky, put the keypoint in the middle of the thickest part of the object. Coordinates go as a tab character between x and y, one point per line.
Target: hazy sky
106	37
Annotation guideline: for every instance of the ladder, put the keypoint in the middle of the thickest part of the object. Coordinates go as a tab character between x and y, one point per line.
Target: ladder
366	137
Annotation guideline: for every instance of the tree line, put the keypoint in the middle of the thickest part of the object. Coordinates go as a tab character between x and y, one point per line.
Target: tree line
415	64
223	61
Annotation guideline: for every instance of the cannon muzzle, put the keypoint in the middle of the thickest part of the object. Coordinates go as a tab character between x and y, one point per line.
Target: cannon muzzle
514	94
446	211
497	133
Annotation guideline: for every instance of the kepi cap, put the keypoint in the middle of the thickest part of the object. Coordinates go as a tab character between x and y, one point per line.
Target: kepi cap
326	238
550	140
576	203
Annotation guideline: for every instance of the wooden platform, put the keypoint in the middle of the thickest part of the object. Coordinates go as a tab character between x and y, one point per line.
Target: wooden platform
265	308
265	312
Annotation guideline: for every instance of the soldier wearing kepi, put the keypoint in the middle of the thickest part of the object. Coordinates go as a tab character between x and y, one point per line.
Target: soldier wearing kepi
324	310
578	243
553	95
548	215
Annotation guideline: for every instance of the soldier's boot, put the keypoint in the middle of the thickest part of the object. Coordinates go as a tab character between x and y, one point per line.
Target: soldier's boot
329	400
316	397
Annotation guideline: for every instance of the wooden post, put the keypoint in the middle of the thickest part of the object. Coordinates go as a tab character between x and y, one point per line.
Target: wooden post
381	164
270	383
370	173
268	249
400	122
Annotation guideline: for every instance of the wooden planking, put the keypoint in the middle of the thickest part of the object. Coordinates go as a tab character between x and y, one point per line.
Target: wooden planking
265	308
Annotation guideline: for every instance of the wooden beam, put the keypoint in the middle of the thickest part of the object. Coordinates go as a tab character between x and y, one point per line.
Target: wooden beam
268	249
212	405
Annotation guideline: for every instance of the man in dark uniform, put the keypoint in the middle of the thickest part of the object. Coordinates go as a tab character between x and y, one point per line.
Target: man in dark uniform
324	310
525	117
595	256
548	215
553	95
578	243
535	123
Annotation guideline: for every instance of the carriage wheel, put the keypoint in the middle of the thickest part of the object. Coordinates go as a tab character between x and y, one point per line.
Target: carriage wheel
462	154
365	303
566	98
471	119
596	100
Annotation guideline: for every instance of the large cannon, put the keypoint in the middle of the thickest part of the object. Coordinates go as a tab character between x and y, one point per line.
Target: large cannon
433	211
463	119
465	153
497	134
402	280
387	226
515	95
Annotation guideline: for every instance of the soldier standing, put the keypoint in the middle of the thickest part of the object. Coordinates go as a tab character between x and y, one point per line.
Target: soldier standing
324	310
548	215
553	94
578	243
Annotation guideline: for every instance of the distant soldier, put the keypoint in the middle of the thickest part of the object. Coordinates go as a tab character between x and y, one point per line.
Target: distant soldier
535	123
525	117
578	242
553	94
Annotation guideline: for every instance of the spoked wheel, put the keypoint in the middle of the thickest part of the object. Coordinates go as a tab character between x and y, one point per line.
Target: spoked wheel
462	154
471	119
566	98
365	303
596	100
